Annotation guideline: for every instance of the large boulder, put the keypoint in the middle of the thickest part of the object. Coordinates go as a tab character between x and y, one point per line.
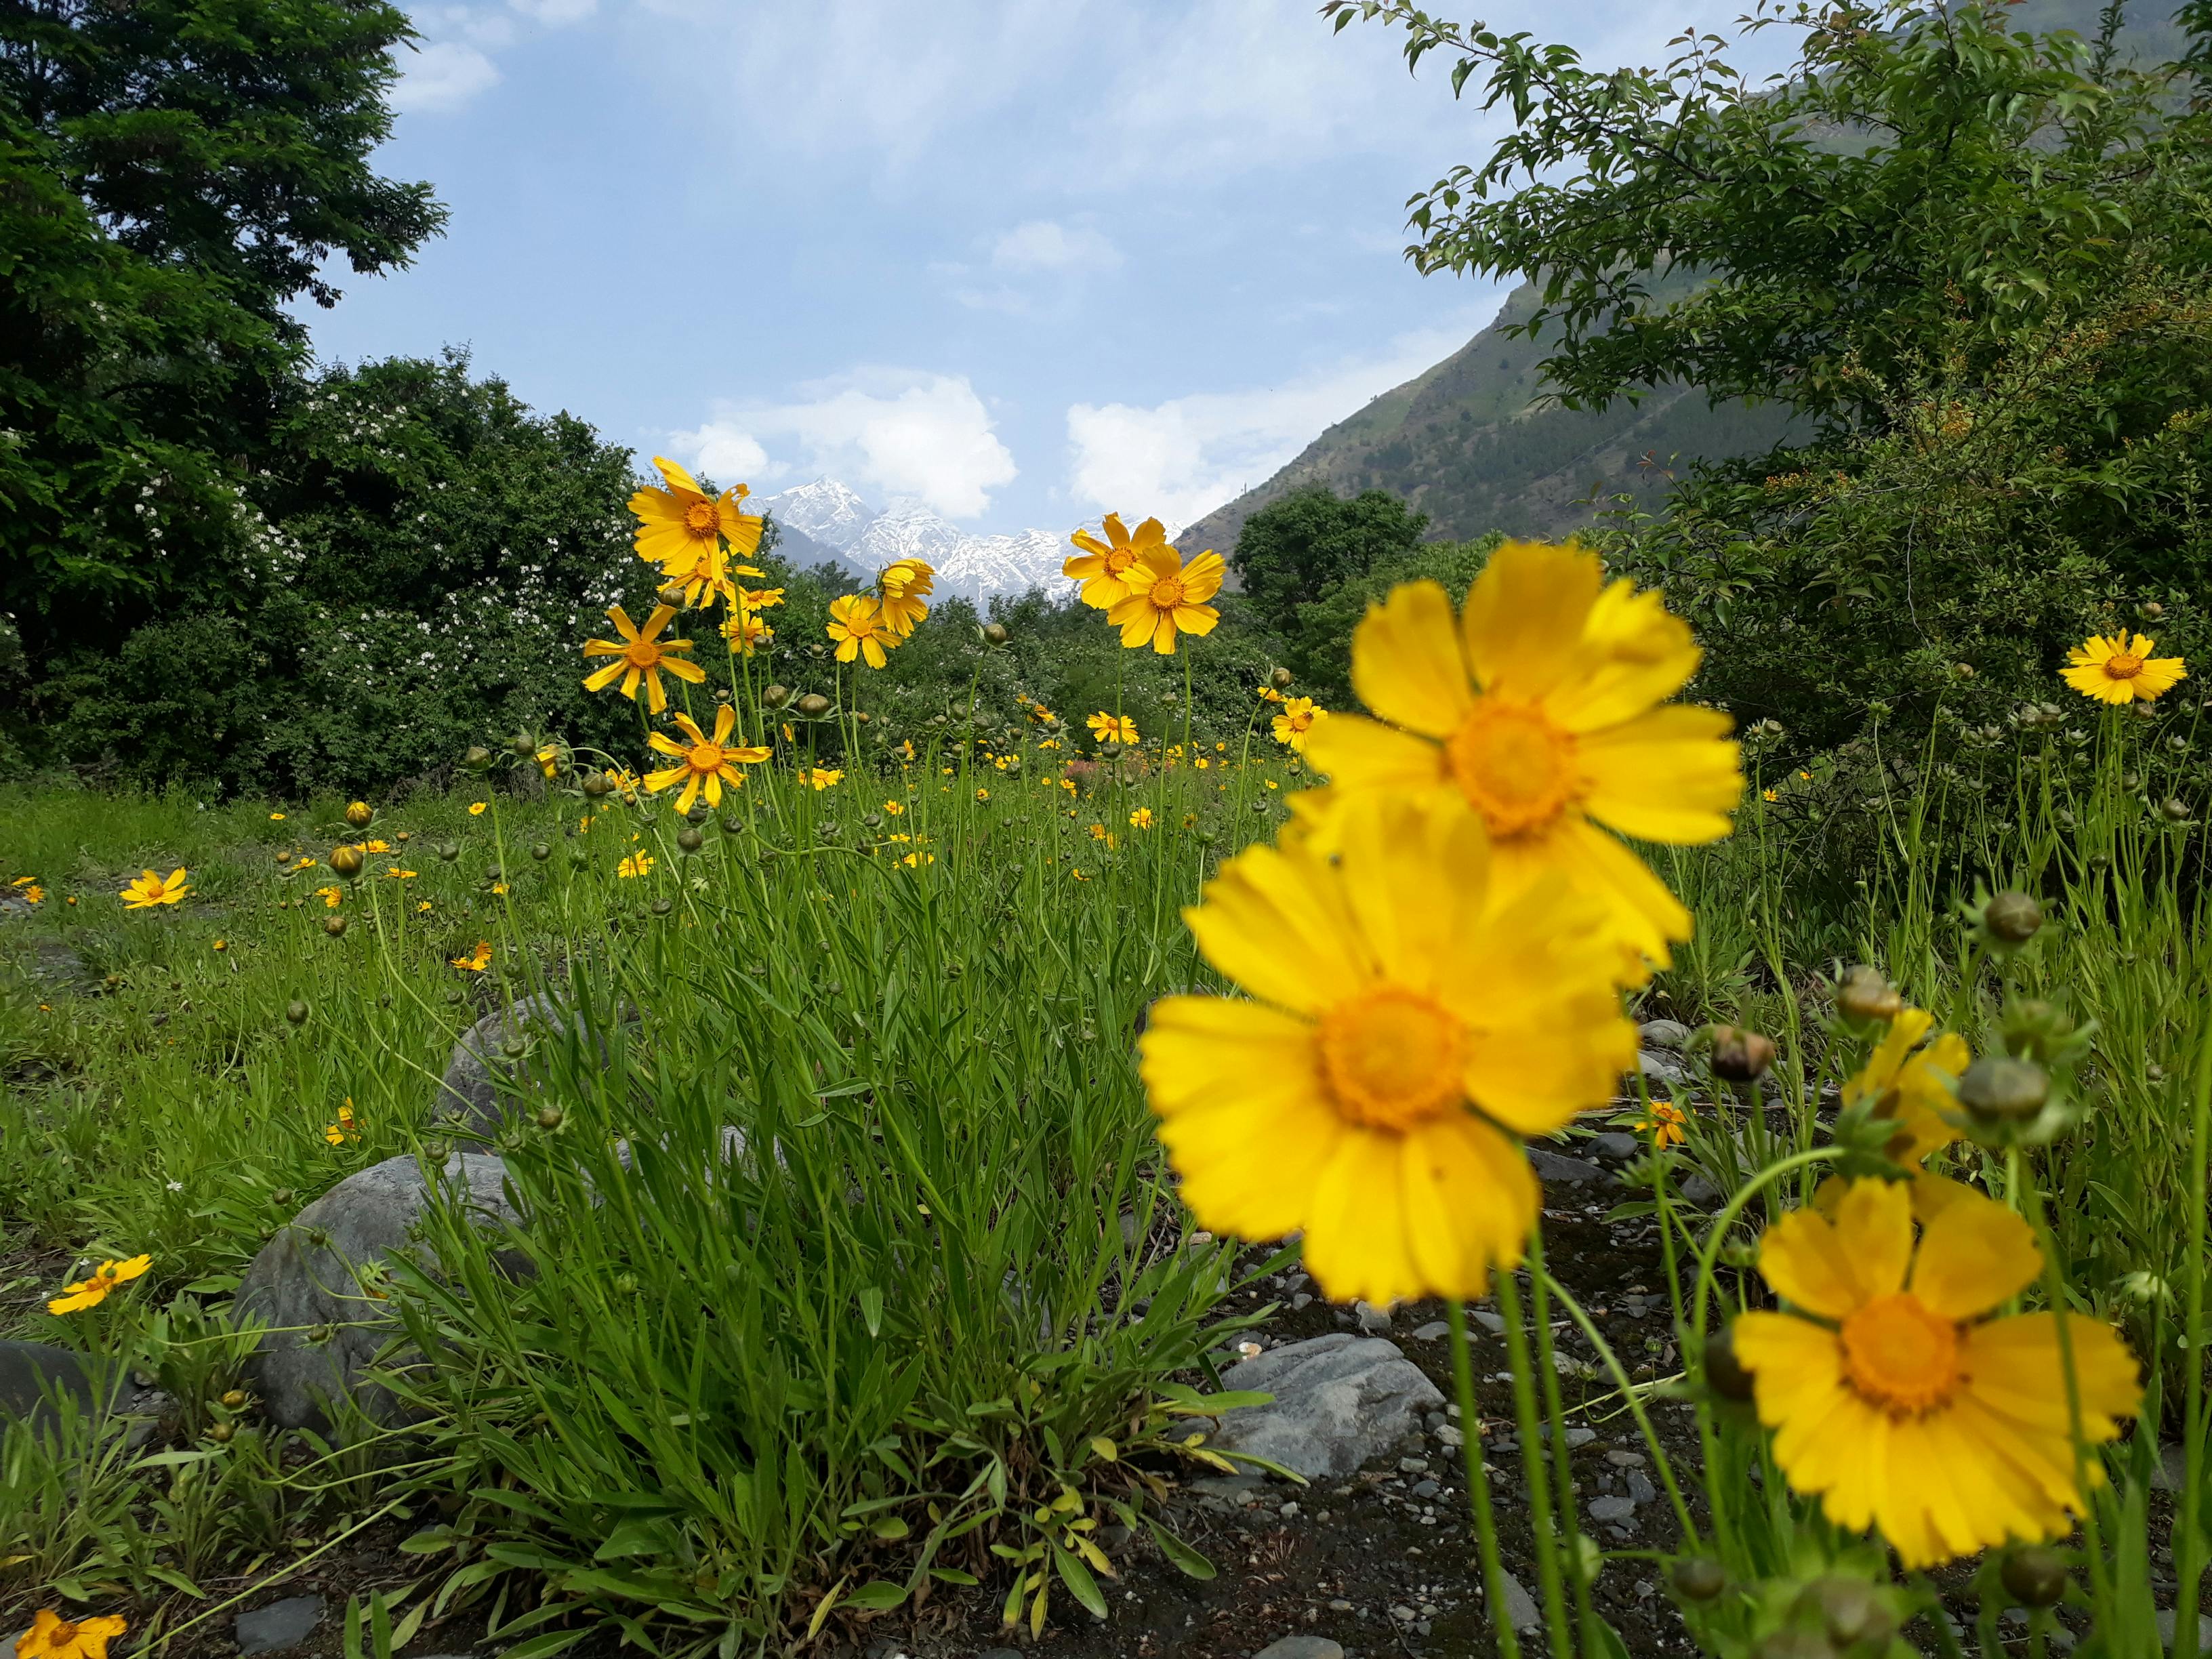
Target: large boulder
324	1328
470	1096
1340	1400
36	1376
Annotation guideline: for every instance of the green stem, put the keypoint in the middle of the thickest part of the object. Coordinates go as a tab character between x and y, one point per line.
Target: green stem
2186	1543
1555	1417
1532	1465
1478	1484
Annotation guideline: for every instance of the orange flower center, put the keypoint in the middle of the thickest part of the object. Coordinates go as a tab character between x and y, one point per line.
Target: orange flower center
2123	665
1167	593
705	757
1392	1058
1513	765
642	654
1900	1356
1120	560
700	518
62	1634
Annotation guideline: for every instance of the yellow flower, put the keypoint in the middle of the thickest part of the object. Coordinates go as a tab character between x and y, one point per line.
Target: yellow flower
857	623
982	794
703	576
893	808
641	655
1108	569
343	1130
1112	729
1098	832
1167	598
1296	719
477	960
1540	711
746	633
1141	818
150	889
915	860
275	818
498	888
52	1637
376	847
760	598
222	945
2120	669
422	907
27	887
1077	873
1770	796
702	762
1039	712
905	585
678	523
91	1290
1409	1026
822	777
548	759
1915	1086
393	872
1664	1123
1903	1407
477	808
637	864
330	897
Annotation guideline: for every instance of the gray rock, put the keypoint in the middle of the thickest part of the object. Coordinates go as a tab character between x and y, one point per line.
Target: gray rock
1373	1321
1489	1320
469	1097
2172	1469
1434	1331
1662	1068
1617	1145
306	1278
34	1376
1696	1190
280	1625
1568	1171
1521	1606
1300	1647
1640	1489
1340	1400
2165	1626
1425	1489
1301	1302
1668	1034
1611	1507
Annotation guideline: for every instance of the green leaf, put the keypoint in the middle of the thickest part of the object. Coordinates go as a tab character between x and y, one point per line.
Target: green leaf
1078	1578
872	1310
1186	1560
877	1595
644	1534
545	1646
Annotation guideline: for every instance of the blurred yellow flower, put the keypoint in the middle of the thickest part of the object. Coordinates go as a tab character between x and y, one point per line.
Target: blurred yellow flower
702	761
1905	1408
27	888
52	1637
1141	818
1108	569
1111	728
2121	668
894	807
760	598
476	961
915	860
857	623
1542	709
150	889
1408	1026
477	808
821	777
330	897
1296	719
93	1290
393	872
1915	1086
1167	598
675	524
641	655
905	586
275	818
637	864
1664	1123
344	1129
548	759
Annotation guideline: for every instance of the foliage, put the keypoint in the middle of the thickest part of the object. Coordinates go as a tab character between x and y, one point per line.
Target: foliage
1321	648
1303	546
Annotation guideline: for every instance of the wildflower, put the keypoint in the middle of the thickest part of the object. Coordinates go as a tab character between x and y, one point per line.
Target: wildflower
1112	729
1268	693
1169	598
92	1289
477	960
1108	570
1141	818
1770	796
52	1637
1540	711
1098	832
422	907
893	808
702	762
330	897
1665	1124
343	1130
904	585
982	794
915	860
1409	1023
857	623
1077	873
150	889
1905	1408
375	846
498	888
275	818
746	633
1911	1084
703	576
761	598
27	888
1039	712
393	872
2121	668
477	808
641	655
548	760
1296	719
637	864
677	523
821	777
222	945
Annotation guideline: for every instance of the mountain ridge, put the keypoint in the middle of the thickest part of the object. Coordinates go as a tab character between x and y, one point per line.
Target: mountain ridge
824	520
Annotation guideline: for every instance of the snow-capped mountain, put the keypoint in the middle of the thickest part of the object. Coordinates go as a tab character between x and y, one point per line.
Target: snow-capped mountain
865	540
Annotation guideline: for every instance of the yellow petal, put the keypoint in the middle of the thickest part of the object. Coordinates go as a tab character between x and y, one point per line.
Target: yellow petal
1671	774
1405	661
1974	1254
1524	618
1833	1270
1277	924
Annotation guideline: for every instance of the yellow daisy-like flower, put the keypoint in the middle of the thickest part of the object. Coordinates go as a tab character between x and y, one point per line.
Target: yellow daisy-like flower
821	777
548	760
2121	668
1112	729
1896	1402
893	808
760	598
1296	719
1912	1084
1665	1124
344	1129
637	864
477	808
1108	569
27	888
150	889
640	655
857	623
746	633
93	1290
477	960
675	524
1406	1029
52	1637
702	762
330	897
905	588
1540	709
1141	818
1167	598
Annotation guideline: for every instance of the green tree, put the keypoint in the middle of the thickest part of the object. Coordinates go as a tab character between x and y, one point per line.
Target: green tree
173	175
1301	547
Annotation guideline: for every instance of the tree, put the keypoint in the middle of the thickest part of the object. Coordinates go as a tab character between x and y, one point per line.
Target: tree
1301	547
173	175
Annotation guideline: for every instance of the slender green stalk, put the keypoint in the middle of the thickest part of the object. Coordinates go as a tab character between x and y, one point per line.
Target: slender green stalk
1563	1468
1478	1484
1532	1464
2187	1539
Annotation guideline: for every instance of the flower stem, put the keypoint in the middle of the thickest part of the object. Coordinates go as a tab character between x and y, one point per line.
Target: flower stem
1532	1463
1478	1484
2186	1544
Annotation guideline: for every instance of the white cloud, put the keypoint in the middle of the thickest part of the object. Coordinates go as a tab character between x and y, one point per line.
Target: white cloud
894	432
1181	458
1047	245
444	75
554	13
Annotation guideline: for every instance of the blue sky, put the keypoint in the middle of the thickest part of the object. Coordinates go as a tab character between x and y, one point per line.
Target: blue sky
1027	262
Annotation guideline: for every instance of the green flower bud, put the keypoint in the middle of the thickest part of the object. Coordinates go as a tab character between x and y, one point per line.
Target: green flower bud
1998	1089
2013	917
2034	1576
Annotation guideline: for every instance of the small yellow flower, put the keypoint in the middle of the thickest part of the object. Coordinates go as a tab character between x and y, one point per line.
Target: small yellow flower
915	860
548	760
498	888
821	777
905	588
1112	729
1098	832
1916	1086
421	906
477	960
2121	668
893	808
1296	719
376	847
1077	873
858	624
275	818
1110	570
1167	598
28	890
150	889
1770	796
393	872
52	1637
343	1130
1665	1124
746	633
93	1288
637	864
222	944
641	656
1141	818
477	808
330	897
982	794
702	762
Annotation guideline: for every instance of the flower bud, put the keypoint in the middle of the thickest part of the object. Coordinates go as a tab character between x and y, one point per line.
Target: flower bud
625	1284
690	840
661	907
2034	1576
1699	1579
359	814
1281	679
1724	1373
549	1117
1793	1643
540	851
669	592
1740	1056
347	860
812	706
296	1013
449	851
220	1433
477	759
733	826
2175	808
1998	1089
233	1399
283	1195
996	634
1864	994
513	1045
284	857
776	696
2151	610
2013	917
522	744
